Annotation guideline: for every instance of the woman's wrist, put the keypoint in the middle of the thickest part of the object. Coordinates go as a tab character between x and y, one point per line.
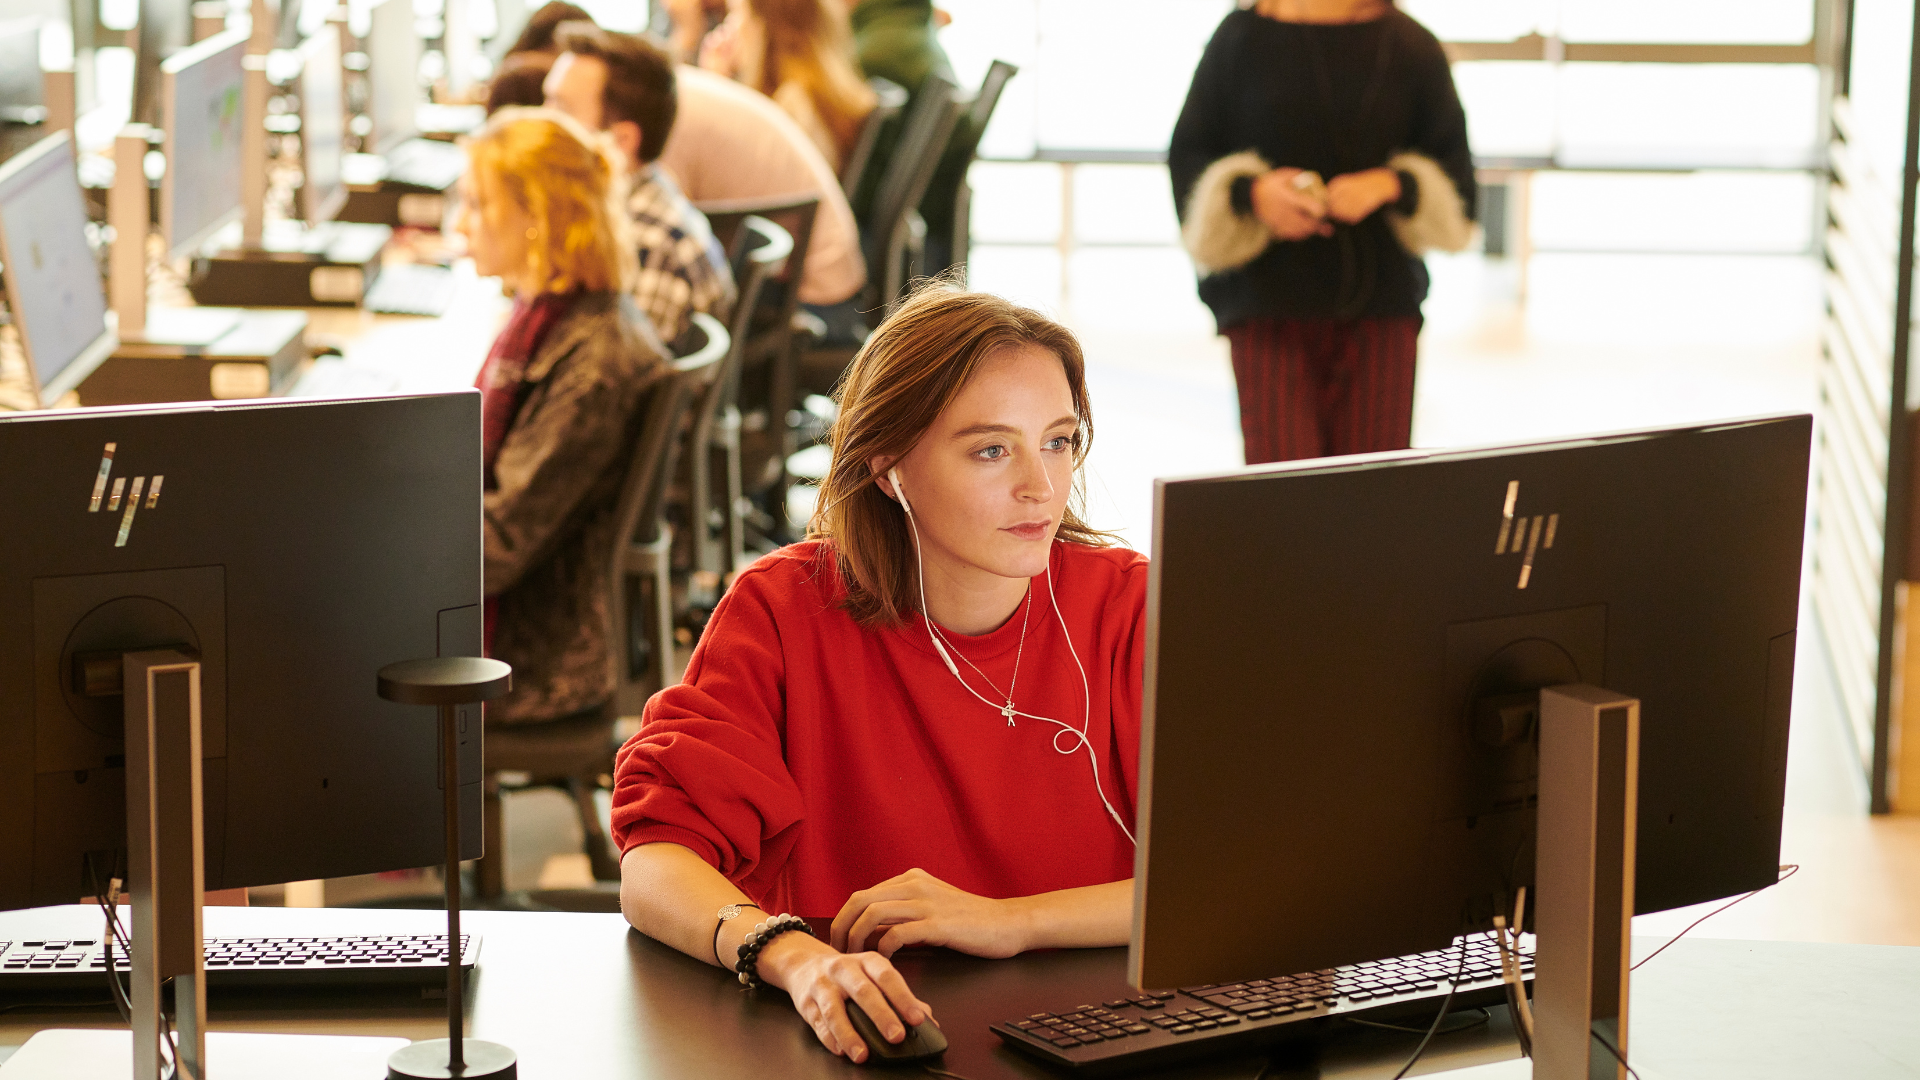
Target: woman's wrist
787	954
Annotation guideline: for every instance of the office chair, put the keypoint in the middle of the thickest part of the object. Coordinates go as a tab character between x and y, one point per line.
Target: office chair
575	752
951	248
766	386
890	97
893	235
716	492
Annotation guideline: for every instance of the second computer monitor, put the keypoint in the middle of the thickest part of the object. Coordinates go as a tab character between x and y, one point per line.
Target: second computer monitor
1337	765
201	91
323	126
53	280
295	548
393	74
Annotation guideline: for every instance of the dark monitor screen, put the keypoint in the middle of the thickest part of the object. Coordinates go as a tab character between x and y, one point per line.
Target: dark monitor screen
201	116
1326	639
296	547
323	126
53	282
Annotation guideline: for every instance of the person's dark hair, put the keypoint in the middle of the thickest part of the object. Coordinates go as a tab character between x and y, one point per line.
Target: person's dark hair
518	82
537	35
640	85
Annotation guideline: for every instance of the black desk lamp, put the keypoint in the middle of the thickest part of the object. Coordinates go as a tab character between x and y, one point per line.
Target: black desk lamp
450	682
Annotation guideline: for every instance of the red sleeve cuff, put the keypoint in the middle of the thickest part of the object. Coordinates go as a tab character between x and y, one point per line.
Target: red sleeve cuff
658	833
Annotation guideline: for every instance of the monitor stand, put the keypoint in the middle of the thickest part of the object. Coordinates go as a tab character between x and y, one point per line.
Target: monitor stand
327	264
179	354
201	354
1583	875
165	874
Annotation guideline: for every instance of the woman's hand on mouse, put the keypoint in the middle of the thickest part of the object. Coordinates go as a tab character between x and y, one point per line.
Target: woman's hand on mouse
820	979
917	908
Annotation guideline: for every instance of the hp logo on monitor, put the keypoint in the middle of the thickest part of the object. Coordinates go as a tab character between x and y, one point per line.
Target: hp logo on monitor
1516	534
132	498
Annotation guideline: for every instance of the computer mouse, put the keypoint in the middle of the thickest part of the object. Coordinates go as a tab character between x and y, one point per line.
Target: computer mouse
922	1041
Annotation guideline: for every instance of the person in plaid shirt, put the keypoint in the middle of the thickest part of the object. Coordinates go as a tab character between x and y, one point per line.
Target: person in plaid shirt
623	84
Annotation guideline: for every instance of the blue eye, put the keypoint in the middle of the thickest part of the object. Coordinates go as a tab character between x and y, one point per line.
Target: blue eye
994	453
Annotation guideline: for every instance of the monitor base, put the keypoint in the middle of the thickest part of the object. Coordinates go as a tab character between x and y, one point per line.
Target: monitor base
328	265
427	1060
76	1054
257	357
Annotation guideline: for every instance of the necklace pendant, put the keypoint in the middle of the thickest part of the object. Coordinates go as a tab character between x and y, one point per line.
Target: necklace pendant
1007	711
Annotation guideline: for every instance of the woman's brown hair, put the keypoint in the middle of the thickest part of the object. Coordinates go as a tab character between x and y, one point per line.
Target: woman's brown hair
567	181
810	42
912	366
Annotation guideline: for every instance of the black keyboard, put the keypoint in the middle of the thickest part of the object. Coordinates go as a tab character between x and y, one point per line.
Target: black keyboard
410	289
366	960
1165	1027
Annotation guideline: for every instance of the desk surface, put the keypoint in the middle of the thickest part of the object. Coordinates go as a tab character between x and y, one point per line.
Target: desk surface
583	997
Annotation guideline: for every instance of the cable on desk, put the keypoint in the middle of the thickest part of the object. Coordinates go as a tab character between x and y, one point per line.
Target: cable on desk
1616	1055
1453	987
942	1073
1787	870
115	937
1485	1017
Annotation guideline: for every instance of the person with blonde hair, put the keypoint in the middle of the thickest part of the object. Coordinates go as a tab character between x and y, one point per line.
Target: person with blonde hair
922	722
800	54
562	390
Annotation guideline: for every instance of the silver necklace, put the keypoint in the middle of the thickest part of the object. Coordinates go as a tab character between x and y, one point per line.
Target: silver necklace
1006	710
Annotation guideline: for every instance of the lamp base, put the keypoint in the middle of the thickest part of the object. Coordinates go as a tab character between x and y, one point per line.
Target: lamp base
427	1060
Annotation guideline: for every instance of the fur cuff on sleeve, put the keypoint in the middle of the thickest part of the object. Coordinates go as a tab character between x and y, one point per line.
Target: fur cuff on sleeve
1215	235
1438	219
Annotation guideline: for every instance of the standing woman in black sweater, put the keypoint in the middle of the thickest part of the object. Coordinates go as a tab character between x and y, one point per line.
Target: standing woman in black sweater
1321	151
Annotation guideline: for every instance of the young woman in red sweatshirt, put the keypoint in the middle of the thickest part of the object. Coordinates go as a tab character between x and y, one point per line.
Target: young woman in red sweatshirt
967	781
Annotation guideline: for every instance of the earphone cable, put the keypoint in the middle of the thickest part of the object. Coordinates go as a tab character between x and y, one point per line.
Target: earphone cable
1086	693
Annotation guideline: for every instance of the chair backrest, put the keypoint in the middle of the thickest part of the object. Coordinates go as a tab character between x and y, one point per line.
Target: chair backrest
986	100
728	219
765	251
923	141
961	149
889	98
656	446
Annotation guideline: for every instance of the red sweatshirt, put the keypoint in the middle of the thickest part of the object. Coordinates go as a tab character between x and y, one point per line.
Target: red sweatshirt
806	758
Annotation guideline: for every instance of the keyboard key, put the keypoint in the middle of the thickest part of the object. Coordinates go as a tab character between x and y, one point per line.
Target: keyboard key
1040	1016
1161	995
1227	1021
1118	1003
1065	1041
1136	1029
1202	1025
1183	1029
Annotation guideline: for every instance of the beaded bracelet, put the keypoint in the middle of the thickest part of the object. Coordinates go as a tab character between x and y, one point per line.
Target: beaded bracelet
748	967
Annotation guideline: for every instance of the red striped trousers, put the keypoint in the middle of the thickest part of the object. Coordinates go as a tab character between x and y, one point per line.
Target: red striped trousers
1321	387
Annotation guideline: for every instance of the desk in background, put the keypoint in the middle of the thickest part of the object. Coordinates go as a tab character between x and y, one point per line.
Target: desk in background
403	354
582	997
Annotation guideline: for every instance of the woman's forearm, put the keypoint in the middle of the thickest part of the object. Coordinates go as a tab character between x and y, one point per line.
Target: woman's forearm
1084	918
671	895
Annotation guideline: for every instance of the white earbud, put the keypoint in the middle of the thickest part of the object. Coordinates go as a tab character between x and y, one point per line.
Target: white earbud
899	490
